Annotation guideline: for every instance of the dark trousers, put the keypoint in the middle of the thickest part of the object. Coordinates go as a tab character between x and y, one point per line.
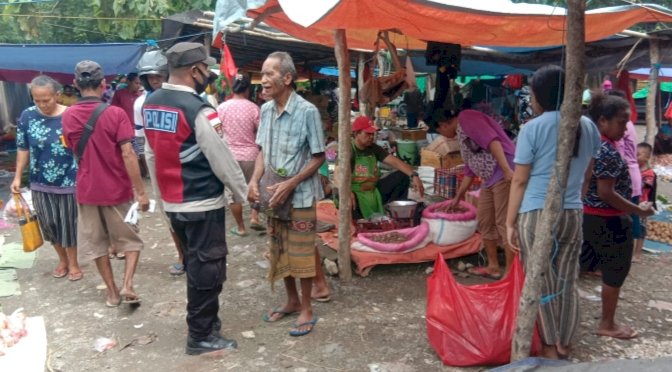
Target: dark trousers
392	187
204	242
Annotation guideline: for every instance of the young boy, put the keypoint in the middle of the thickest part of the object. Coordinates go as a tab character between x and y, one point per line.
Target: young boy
644	151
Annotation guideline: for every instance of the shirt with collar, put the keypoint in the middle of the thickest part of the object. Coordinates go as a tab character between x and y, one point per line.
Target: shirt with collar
289	139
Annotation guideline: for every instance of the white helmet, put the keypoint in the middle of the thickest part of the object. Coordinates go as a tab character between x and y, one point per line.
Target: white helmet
153	62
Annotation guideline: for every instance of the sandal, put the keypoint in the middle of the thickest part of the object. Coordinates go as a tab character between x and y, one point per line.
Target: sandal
234	231
176	269
59	274
73	277
483	271
267	317
256	226
295	332
129	298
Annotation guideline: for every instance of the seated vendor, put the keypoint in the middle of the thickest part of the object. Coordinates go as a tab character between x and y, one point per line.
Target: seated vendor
370	192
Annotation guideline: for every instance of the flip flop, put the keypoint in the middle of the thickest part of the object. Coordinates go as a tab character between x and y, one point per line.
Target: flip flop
257	226
621	334
176	269
121	256
109	304
294	332
58	275
322	299
234	231
130	299
482	271
73	277
267	317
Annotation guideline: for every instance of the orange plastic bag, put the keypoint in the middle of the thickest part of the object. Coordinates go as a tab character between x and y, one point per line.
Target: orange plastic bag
473	325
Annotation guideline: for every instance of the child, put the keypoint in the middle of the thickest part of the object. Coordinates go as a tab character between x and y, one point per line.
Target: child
644	151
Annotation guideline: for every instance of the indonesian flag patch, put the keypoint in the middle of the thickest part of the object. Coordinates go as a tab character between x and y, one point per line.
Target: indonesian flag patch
216	123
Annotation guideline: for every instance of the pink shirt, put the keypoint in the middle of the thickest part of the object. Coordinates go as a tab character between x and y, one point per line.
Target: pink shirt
240	120
627	147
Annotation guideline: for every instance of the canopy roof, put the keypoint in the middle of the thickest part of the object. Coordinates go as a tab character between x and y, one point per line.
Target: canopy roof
26	61
479	22
664	74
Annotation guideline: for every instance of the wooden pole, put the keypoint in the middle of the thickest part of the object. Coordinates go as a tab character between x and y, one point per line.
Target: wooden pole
360	79
344	154
651	127
570	113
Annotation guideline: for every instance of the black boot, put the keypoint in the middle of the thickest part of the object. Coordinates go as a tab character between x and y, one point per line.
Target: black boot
211	343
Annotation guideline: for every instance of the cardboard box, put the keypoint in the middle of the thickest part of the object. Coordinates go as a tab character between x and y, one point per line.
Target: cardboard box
413	134
430	158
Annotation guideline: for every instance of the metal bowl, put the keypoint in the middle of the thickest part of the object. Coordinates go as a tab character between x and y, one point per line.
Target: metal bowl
402	208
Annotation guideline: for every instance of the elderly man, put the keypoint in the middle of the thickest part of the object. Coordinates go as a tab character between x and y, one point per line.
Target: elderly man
370	192
192	163
292	149
108	174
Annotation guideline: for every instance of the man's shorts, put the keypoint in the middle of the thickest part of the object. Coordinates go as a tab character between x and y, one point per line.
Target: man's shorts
98	227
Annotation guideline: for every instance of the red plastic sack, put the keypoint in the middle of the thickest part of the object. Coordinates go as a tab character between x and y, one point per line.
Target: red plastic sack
473	325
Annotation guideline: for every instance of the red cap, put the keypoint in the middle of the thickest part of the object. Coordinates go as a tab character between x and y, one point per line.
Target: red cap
363	123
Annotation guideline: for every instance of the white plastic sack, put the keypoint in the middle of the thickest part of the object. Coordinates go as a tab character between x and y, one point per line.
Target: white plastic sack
446	232
9	213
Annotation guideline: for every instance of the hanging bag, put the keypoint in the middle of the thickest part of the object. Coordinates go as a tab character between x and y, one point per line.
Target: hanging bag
30	228
383	89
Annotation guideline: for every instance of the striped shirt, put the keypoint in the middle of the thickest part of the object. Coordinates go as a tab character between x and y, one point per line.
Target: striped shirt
289	139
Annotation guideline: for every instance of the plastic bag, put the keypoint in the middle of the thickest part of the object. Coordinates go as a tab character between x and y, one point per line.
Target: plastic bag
10	213
473	325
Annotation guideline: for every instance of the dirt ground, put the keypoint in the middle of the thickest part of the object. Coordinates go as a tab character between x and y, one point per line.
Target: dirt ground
372	324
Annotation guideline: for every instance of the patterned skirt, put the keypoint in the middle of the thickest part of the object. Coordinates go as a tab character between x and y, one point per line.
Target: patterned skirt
292	245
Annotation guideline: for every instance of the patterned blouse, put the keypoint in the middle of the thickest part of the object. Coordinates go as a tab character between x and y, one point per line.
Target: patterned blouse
53	169
608	164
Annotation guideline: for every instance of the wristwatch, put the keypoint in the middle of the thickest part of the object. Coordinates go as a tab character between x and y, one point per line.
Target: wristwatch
415	174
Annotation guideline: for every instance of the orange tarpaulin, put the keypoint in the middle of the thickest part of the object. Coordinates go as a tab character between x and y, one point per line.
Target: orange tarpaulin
365	261
442	21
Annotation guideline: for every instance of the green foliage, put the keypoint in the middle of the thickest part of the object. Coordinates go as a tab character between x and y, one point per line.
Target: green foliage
89	21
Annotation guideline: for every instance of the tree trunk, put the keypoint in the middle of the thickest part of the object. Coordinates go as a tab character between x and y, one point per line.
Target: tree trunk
651	127
344	153
570	113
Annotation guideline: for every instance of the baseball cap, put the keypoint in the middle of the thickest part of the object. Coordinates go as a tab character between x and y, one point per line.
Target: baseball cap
88	71
187	54
363	123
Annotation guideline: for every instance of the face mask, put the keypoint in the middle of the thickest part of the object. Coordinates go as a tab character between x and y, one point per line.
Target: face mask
200	87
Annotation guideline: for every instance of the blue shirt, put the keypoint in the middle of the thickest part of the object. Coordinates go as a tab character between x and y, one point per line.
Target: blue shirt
536	146
289	139
53	169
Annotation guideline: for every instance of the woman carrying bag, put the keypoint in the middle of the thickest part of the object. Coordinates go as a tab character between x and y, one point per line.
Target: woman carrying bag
52	173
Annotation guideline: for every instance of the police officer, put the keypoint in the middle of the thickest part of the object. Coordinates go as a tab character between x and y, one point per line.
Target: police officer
192	165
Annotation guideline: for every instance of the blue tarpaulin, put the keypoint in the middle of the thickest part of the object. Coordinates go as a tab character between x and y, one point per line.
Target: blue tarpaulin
21	62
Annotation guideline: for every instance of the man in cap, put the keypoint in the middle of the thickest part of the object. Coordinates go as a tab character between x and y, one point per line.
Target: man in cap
292	146
107	177
192	164
370	192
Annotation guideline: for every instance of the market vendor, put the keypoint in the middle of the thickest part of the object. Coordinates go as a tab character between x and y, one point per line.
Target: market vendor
370	191
487	153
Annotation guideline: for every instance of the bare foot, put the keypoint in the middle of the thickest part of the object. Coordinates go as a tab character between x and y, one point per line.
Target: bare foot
621	332
563	351
549	352
636	259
